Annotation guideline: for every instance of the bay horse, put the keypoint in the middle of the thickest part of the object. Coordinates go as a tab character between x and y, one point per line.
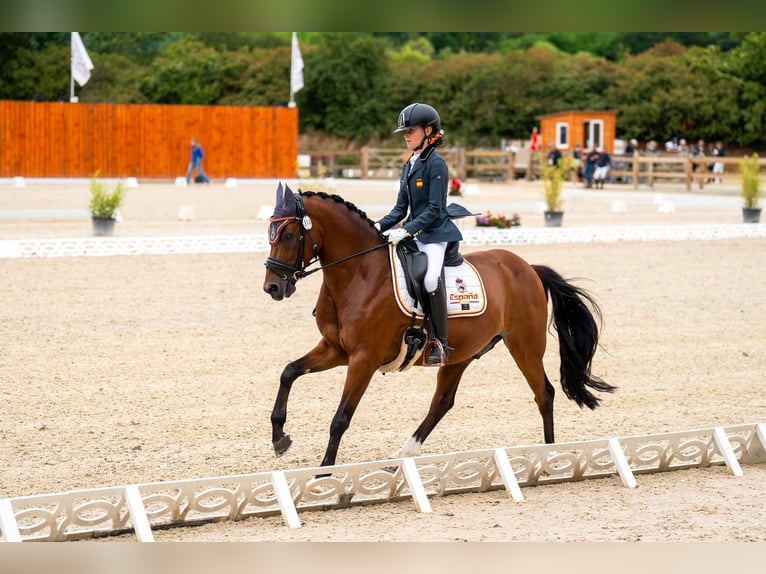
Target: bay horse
362	327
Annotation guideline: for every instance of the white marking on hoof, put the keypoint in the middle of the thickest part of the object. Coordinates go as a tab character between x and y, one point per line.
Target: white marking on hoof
411	447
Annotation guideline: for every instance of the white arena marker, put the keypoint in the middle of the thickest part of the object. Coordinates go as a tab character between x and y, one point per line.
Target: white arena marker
416	485
186	213
265	212
507	474
666	206
8	522
131	182
231	182
724	447
619	206
623	468
285	499
138	514
180	182
19	182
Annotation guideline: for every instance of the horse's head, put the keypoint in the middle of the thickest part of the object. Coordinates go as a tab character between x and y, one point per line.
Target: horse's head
290	252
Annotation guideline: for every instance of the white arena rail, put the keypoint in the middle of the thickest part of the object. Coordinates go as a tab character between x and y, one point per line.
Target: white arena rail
171	245
144	507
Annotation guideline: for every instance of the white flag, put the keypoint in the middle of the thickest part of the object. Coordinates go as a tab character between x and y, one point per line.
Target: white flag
81	64
296	66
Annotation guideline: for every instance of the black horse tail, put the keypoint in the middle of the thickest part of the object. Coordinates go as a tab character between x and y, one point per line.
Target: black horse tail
577	326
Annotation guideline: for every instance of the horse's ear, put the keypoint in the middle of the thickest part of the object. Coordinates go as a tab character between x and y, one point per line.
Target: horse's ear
288	192
280	195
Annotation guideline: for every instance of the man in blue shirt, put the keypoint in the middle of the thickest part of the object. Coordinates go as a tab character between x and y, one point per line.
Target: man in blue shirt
196	162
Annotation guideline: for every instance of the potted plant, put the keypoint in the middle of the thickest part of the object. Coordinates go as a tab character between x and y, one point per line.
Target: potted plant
553	180
751	189
104	205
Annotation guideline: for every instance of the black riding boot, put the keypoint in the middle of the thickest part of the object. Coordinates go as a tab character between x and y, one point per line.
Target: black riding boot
437	301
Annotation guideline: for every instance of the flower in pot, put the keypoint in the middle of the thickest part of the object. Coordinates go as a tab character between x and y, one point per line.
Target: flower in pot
104	205
751	188
553	180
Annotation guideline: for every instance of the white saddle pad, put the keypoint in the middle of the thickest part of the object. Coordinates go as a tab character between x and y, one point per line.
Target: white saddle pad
465	289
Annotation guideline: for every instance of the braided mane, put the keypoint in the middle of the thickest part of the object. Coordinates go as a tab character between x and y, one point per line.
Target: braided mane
338	199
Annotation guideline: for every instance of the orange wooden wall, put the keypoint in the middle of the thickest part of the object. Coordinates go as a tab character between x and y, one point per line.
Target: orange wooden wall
42	139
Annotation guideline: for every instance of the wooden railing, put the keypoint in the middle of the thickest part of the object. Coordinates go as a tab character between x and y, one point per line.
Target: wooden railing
371	163
494	165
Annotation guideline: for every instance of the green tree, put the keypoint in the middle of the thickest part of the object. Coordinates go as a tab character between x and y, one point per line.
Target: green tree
342	94
188	72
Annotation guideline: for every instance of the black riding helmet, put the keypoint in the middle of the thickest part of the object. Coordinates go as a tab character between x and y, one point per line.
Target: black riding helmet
418	115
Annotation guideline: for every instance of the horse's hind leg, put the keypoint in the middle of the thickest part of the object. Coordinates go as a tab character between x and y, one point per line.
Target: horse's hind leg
529	358
447	381
322	357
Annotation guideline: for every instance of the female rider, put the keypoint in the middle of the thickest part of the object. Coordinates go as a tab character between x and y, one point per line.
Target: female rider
422	203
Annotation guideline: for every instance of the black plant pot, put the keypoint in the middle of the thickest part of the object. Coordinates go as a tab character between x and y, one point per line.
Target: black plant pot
751	214
103	226
553	218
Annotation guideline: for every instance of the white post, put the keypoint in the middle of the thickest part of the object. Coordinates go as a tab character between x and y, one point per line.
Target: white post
285	499
506	473
8	522
135	503
724	447
623	468
412	476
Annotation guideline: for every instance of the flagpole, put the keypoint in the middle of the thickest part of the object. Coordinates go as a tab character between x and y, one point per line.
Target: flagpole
72	97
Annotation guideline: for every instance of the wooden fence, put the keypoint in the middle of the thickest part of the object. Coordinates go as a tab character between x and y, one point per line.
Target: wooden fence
370	163
638	169
493	165
42	139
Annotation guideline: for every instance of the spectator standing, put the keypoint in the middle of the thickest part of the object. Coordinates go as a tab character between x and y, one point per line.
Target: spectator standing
698	151
590	165
197	155
718	151
603	163
578	159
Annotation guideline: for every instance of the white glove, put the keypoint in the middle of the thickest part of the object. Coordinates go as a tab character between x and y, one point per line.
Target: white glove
396	234
377	225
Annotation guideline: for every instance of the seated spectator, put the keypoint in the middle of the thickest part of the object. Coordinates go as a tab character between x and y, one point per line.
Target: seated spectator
554	155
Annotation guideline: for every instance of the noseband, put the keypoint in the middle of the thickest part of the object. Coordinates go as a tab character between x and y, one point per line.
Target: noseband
296	271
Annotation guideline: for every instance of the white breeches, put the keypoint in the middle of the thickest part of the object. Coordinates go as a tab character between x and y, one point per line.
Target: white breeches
601	172
435	254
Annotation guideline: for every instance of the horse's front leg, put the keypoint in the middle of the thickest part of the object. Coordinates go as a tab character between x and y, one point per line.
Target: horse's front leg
360	372
322	357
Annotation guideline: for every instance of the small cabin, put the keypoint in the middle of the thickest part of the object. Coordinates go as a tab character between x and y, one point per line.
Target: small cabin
586	127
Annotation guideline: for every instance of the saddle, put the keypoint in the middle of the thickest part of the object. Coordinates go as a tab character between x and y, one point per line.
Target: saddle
415	264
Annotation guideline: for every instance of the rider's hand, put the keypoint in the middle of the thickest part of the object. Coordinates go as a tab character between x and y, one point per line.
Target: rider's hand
396	235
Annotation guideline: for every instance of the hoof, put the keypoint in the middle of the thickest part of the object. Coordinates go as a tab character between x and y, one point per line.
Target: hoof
282	445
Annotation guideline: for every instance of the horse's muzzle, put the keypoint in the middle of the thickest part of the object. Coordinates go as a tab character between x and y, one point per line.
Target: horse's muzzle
279	289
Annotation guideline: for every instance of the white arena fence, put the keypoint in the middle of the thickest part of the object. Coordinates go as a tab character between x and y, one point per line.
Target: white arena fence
170	245
144	508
